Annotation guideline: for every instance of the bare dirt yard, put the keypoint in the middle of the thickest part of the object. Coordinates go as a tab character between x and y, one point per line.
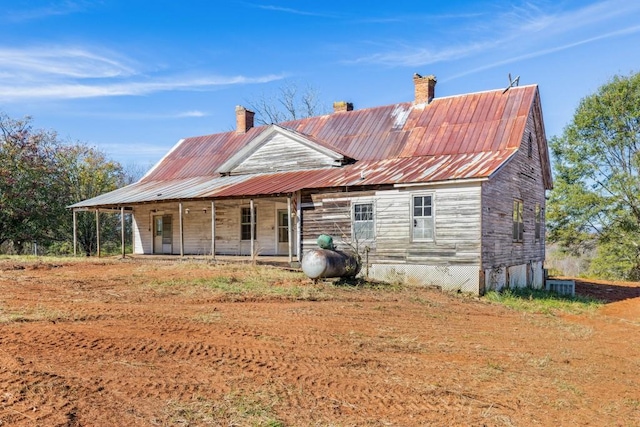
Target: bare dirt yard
140	343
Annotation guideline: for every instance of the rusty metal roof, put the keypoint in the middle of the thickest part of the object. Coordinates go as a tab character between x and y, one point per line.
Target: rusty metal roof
457	137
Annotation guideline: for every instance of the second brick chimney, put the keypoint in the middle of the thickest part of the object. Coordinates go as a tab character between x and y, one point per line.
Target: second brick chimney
425	88
342	106
244	119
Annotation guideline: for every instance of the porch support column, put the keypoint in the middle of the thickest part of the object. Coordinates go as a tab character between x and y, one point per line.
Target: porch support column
213	230
75	233
289	229
98	232
181	236
299	224
253	221
122	229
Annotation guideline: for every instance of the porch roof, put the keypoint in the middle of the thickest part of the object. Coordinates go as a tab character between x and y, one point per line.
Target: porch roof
421	169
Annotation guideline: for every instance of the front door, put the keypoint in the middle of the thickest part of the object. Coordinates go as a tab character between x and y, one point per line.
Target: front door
283	232
162	234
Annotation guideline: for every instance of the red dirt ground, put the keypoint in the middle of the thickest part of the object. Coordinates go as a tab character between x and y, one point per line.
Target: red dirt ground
102	344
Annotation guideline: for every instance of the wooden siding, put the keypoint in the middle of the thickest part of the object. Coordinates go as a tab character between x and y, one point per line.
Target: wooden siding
520	179
456	224
197	227
289	154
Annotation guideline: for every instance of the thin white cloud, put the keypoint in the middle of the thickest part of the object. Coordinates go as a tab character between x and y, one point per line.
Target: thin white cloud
137	88
62	8
292	11
194	113
75	72
520	29
530	55
62	61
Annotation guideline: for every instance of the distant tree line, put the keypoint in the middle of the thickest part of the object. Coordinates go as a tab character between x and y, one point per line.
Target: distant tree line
39	177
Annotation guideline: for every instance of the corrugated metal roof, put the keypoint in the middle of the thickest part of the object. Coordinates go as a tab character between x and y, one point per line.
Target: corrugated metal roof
458	137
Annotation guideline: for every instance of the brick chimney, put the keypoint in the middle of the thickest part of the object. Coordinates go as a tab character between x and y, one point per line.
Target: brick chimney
244	119
425	88
342	106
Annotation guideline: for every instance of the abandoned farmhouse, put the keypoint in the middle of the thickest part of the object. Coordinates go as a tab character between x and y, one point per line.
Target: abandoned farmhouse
445	191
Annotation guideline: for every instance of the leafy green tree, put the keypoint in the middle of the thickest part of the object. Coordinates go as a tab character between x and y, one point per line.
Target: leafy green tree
31	184
596	195
89	173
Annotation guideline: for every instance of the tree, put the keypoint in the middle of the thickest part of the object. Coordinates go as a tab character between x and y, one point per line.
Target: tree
89	173
31	183
289	103
596	196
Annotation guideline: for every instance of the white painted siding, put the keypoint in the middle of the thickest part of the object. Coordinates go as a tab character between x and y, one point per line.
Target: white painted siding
197	227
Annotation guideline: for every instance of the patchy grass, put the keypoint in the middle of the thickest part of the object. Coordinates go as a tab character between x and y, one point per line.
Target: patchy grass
36	314
541	301
254	409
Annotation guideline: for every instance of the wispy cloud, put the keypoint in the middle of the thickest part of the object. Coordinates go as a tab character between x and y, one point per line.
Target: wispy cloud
35	13
555	49
71	72
62	61
133	88
292	11
519	30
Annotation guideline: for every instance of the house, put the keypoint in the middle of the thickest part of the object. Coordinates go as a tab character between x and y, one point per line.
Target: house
445	191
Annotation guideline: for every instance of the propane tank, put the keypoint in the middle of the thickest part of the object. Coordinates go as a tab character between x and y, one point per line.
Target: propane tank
319	263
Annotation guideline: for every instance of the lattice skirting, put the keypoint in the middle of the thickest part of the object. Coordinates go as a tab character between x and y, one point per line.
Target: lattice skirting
464	278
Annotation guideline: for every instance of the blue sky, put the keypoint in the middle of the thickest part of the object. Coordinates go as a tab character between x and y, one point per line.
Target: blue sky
133	77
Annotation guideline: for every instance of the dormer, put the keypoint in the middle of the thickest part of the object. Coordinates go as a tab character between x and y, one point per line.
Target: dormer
278	149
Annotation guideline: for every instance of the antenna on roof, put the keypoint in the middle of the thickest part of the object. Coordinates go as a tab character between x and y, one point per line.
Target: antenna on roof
512	83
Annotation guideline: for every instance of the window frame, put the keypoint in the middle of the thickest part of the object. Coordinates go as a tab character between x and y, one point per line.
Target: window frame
431	217
538	222
245	227
517	230
371	235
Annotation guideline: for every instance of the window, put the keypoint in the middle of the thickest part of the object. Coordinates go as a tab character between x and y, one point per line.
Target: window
245	224
283	226
422	218
538	229
363	228
530	147
518	224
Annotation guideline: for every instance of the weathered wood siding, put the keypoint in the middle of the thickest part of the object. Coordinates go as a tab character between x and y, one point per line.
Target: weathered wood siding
519	179
456	224
197	227
290	155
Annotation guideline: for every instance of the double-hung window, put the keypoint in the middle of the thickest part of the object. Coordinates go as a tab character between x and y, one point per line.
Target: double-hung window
422	217
363	225
518	222
538	229
245	224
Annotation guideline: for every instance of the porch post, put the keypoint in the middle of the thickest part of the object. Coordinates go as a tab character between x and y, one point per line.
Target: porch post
253	220
299	224
181	237
75	233
213	230
98	232
289	229
122	228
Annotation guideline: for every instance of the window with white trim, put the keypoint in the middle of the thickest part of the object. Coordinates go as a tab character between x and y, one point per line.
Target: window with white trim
422	217
245	224
518	222
363	225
